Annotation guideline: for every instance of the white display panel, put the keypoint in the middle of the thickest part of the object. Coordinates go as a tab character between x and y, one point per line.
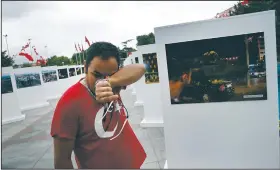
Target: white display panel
10	105
30	91
149	87
242	134
138	86
51	82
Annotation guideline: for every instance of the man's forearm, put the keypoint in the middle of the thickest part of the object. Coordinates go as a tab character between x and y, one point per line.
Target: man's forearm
127	75
63	164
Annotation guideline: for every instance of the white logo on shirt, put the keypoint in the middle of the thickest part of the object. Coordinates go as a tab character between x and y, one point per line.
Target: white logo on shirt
98	123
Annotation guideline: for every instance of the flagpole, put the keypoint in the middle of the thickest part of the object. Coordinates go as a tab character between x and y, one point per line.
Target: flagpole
76	58
76	53
80	53
80	57
83	54
30	48
46	47
83	57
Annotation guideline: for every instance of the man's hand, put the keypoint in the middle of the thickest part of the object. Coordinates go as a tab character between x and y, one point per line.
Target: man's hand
104	93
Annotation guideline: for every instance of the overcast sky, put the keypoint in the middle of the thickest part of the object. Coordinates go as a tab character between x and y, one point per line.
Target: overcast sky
60	24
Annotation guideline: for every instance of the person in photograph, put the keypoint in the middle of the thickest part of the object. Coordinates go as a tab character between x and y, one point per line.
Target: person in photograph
179	77
81	123
177	84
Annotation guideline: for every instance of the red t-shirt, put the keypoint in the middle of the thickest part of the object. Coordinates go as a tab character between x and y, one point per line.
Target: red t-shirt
77	116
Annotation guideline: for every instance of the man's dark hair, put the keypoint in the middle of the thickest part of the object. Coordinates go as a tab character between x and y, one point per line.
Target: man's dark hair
103	50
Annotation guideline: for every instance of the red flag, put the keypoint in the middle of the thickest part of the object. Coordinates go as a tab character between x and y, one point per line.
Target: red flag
82	48
26	55
41	61
245	2
79	47
87	41
44	61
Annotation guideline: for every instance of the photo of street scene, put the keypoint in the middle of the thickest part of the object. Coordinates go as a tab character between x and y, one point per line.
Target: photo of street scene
136	60
27	80
217	70
79	70
62	73
150	62
72	72
49	75
6	84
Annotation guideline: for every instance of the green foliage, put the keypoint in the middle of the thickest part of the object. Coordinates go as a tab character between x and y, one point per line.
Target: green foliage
258	6
26	65
16	66
6	61
58	61
122	51
78	56
125	50
145	39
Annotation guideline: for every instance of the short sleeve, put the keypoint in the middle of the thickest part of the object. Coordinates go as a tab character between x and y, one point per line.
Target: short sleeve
65	120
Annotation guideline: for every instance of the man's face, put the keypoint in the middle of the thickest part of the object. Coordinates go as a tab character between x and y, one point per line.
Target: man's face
99	69
186	78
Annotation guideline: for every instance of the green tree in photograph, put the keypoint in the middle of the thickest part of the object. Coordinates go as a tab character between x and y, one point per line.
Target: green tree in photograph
6	61
145	39
258	6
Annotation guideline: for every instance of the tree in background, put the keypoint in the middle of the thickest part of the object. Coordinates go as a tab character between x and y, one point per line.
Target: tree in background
258	6
58	61
79	57
125	50
145	39
26	65
6	61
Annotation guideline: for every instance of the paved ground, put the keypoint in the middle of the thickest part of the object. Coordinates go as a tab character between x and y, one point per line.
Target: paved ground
28	144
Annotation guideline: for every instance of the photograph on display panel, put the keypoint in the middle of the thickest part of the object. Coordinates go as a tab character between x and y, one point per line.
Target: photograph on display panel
136	60
217	70
79	70
72	72
49	75
150	62
6	84
62	73
27	80
83	69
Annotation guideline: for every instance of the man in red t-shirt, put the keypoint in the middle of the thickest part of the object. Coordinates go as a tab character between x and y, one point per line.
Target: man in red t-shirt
90	117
